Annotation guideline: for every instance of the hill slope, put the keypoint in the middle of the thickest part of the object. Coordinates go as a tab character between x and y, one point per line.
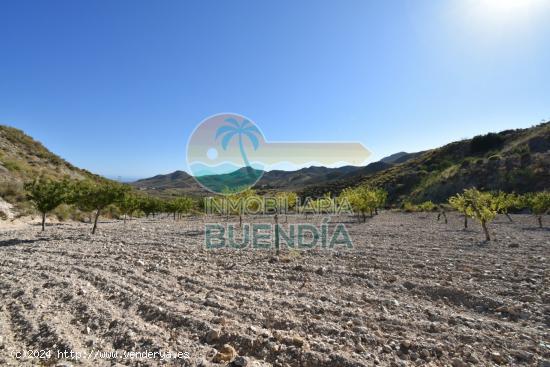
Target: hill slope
512	160
22	159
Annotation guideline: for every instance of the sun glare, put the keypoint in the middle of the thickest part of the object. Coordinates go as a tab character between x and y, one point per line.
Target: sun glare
501	18
507	10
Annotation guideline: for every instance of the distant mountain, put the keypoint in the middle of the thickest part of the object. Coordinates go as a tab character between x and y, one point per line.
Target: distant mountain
175	183
512	160
180	182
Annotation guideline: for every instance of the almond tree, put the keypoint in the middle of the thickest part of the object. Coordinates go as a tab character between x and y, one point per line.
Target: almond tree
286	201
381	198
95	196
150	205
46	195
539	204
180	206
480	205
128	205
503	202
364	199
458	202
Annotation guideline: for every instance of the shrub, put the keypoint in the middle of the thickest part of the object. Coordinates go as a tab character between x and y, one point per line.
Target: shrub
484	143
63	212
12	192
426	206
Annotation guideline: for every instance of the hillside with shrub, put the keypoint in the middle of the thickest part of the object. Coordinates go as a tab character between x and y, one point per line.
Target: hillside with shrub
512	161
23	159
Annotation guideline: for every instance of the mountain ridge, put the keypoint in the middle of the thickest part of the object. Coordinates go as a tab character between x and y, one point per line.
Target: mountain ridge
511	160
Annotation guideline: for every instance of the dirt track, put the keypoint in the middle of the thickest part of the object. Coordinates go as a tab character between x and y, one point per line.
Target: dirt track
411	292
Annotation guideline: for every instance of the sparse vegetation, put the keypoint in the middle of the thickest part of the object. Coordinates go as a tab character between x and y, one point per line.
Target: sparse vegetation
485	143
426	206
365	200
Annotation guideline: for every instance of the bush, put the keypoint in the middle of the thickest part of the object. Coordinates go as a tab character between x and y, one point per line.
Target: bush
427	206
12	192
485	143
63	212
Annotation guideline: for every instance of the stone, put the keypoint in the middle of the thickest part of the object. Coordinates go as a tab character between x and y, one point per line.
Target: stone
458	363
240	362
212	336
226	354
498	358
406	344
298	341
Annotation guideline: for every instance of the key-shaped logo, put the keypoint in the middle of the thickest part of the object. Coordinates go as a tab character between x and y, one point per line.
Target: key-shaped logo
227	153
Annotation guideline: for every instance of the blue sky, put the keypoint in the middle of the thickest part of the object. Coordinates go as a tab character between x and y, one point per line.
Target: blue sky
117	87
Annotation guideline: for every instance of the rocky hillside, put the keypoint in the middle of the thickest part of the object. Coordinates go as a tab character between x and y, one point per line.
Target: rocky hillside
512	160
22	159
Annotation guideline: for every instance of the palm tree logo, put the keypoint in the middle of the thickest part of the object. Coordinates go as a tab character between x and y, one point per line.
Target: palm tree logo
240	130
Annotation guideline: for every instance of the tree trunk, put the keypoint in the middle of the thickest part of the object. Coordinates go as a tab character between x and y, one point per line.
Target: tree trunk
95	220
445	216
43	221
465	221
277	246
540	221
364	217
485	230
124	219
509	217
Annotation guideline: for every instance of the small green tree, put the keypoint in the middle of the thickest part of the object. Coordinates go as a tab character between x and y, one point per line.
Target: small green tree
364	199
46	195
539	204
286	201
503	202
95	196
150	205
381	196
180	206
128	205
480	206
458	202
